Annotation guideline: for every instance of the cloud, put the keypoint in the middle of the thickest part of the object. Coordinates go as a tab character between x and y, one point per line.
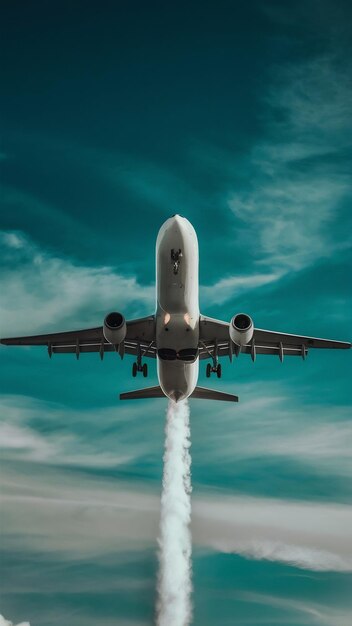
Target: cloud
271	426
298	556
49	505
318	611
224	289
46	433
303	535
5	622
298	180
46	292
81	515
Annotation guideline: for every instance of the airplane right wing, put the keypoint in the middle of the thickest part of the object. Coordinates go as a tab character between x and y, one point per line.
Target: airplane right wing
214	334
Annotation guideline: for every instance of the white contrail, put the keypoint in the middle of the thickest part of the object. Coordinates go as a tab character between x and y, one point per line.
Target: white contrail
175	545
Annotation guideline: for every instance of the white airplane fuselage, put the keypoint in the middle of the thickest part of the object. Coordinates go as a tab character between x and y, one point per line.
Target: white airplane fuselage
177	308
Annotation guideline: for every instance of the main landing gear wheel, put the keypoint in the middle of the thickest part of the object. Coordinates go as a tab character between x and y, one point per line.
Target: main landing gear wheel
145	370
134	370
215	368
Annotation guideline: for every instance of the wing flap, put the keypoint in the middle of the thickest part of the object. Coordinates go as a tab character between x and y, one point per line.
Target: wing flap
223	350
89	335
272	337
130	348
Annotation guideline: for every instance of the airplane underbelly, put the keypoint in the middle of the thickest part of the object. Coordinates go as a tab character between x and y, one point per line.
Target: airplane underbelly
177	308
177	379
177	268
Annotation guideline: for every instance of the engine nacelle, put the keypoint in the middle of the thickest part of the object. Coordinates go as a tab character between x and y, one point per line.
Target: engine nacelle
241	329
114	328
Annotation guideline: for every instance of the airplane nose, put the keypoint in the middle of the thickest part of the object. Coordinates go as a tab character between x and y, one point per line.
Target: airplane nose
178	223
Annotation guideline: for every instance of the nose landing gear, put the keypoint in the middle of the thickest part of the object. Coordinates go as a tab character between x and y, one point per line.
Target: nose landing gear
176	256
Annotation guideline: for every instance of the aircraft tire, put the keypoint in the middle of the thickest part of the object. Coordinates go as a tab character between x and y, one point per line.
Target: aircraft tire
134	370
145	370
218	370
208	370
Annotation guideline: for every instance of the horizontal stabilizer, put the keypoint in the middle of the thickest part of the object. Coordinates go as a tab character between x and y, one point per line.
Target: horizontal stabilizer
199	392
210	394
148	392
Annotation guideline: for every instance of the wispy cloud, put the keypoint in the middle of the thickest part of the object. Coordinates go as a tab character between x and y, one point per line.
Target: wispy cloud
298	182
82	515
319	612
272	425
44	506
43	291
224	289
46	433
307	536
6	622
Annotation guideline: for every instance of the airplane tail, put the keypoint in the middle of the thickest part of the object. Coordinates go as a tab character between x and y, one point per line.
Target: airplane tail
148	392
200	392
211	394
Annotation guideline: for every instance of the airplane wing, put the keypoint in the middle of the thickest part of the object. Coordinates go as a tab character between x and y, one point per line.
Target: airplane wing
140	336
214	334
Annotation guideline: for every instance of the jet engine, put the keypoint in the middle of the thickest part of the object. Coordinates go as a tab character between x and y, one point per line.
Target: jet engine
114	328
241	329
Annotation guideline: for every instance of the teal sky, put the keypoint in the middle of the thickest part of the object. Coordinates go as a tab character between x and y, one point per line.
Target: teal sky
238	116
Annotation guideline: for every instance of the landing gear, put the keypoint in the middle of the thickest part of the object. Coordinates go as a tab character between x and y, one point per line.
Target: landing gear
138	366
215	368
176	256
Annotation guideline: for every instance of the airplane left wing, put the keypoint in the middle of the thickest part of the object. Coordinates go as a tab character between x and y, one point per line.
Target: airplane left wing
140	336
214	335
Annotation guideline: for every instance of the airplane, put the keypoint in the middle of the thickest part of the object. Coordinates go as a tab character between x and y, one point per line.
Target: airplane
177	335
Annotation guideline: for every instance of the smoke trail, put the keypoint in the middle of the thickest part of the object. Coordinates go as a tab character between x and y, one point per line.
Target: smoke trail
175	546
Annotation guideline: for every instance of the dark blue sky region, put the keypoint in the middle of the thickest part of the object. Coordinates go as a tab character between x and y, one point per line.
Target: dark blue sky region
113	117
